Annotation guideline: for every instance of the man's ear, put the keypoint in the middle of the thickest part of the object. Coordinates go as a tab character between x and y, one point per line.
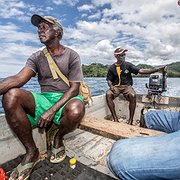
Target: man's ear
57	32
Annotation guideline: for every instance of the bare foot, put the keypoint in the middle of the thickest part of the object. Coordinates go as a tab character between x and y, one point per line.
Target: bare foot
116	120
130	121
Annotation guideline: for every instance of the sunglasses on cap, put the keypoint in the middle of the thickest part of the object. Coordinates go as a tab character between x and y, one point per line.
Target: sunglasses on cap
116	55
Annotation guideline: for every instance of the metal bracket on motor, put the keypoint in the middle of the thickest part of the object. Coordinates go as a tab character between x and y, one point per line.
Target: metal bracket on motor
157	99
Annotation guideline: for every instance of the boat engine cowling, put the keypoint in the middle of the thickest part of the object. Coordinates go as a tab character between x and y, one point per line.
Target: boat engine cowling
157	84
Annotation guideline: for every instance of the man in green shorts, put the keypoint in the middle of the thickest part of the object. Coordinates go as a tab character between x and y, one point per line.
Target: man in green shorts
57	103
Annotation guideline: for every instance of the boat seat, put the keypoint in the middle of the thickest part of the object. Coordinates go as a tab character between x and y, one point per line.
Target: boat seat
114	130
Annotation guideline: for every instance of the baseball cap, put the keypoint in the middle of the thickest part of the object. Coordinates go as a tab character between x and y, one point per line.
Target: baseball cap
36	19
120	50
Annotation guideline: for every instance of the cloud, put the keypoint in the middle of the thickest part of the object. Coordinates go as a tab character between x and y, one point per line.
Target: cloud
149	31
12	33
86	7
15	48
11	8
102	52
13	54
96	15
69	2
102	2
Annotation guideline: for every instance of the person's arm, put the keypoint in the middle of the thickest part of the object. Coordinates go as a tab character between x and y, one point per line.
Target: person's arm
17	80
110	84
110	77
149	71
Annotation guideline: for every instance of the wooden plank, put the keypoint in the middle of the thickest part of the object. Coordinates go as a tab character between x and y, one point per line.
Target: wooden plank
115	130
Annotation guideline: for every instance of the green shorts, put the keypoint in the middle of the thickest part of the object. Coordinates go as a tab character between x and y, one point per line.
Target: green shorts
46	100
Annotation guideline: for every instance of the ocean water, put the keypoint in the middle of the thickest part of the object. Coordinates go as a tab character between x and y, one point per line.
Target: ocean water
99	86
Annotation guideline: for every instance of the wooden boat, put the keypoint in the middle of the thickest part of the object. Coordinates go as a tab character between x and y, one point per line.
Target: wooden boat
91	142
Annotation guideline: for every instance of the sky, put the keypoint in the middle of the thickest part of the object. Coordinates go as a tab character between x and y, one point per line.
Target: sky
149	29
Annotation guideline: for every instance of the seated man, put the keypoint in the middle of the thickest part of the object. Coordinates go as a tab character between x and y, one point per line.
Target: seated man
119	79
57	103
152	158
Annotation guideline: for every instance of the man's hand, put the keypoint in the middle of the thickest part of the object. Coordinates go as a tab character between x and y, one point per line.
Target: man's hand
114	89
46	118
163	69
111	88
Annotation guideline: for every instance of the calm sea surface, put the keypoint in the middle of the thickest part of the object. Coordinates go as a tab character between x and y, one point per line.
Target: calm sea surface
99	86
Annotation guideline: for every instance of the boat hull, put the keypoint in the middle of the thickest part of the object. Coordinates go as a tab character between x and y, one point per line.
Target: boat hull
11	147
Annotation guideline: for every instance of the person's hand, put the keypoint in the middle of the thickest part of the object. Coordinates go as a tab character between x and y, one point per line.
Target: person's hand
162	69
113	89
46	118
165	69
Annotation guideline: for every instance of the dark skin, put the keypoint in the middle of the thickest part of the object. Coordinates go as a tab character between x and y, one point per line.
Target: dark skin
131	97
17	102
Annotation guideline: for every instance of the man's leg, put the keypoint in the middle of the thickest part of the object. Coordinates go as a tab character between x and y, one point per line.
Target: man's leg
130	95
132	107
111	105
16	103
72	115
163	120
149	158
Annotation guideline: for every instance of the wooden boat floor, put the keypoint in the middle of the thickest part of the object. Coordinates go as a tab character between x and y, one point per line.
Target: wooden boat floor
91	143
90	149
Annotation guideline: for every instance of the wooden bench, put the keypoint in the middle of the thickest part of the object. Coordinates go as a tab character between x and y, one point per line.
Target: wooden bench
114	130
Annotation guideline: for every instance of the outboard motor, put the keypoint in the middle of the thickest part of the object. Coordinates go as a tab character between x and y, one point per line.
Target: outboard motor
157	84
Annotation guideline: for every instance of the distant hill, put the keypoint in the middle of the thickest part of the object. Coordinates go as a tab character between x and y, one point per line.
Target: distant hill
174	69
95	70
100	70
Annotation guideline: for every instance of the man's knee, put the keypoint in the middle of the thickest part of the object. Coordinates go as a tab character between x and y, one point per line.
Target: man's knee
10	98
109	95
132	96
75	111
